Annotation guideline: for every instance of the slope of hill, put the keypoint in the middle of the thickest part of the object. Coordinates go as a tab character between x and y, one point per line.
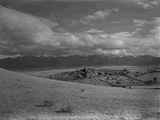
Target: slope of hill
30	62
31	97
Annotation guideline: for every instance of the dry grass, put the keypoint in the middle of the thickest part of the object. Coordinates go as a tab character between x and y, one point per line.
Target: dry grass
95	116
19	94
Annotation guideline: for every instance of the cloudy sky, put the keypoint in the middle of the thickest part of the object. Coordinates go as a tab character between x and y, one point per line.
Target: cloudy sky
79	27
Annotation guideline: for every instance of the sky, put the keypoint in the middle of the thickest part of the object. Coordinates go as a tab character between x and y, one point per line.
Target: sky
79	27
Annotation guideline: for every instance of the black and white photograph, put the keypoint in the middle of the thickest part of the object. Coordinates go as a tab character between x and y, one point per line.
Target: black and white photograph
79	59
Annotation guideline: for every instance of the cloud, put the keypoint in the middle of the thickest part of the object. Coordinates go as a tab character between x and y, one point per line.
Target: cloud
24	34
103	40
118	52
94	31
98	15
155	33
127	43
150	43
147	4
19	24
139	22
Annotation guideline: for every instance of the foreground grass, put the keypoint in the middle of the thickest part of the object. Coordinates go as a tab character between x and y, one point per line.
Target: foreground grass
95	116
24	97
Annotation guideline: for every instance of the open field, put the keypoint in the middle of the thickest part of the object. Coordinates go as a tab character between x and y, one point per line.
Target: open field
25	97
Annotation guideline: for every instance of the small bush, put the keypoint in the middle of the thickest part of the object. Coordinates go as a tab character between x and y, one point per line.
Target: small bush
50	77
45	103
82	90
65	109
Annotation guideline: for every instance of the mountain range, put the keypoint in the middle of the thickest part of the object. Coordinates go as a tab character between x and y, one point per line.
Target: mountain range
30	62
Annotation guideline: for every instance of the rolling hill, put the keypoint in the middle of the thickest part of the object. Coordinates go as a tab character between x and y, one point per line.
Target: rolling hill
24	97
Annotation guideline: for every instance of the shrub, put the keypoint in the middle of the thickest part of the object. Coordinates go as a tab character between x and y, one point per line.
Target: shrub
65	109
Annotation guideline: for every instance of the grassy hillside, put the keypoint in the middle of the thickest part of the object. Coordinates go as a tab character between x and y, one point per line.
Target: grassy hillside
30	98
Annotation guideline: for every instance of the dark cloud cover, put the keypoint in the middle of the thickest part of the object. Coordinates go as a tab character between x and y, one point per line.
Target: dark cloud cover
30	27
